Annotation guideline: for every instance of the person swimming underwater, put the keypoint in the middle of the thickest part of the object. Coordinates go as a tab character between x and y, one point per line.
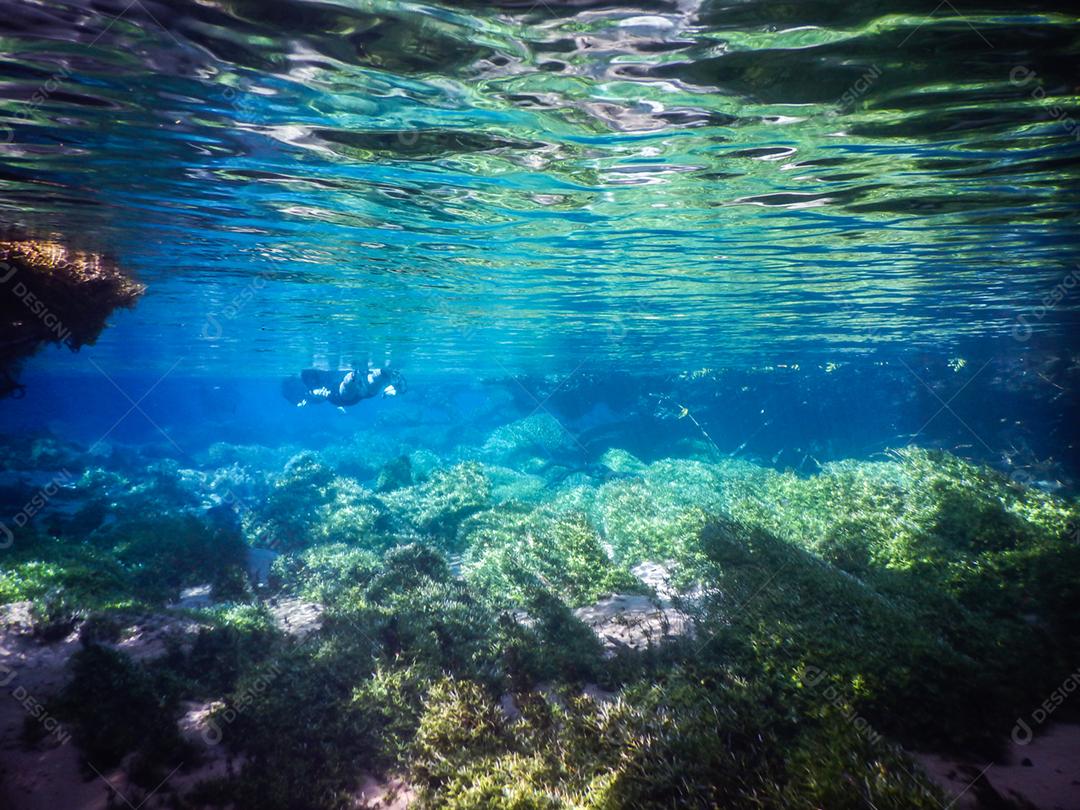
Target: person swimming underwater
341	388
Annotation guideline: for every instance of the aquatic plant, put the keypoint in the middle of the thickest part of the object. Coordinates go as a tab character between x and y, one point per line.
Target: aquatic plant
832	615
1001	548
436	506
920	666
55	294
395	474
115	706
233	640
563	551
129	563
685	742
310	504
641	523
169	552
324	572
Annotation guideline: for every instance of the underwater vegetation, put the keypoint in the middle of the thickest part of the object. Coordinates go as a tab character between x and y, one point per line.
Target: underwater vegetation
812	630
52	293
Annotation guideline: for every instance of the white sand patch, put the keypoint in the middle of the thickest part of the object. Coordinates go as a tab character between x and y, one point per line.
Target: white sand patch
17	618
657	576
47	776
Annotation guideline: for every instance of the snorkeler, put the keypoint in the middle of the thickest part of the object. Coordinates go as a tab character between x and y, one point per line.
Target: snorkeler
341	388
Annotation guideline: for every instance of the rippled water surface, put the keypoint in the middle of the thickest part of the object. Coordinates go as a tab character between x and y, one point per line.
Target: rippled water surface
517	184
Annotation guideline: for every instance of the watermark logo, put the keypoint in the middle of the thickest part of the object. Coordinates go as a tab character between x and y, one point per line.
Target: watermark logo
226	716
859	89
26	109
212	328
31	705
33	304
1022	76
1022	732
1023	328
32	507
813	677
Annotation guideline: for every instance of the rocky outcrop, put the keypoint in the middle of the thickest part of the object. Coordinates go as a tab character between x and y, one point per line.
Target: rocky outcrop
52	293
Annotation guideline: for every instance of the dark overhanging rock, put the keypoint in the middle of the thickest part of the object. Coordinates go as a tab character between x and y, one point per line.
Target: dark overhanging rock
51	293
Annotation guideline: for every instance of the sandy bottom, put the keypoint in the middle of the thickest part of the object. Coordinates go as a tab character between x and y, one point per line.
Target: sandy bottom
1045	773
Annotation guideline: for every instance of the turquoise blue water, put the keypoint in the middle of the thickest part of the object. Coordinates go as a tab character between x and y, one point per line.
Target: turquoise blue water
689	306
468	186
482	191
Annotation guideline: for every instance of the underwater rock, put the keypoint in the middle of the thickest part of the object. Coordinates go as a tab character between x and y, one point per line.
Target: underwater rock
657	576
296	617
539	434
620	461
151	636
41	453
52	293
1042	773
634	622
17	618
392	793
194	598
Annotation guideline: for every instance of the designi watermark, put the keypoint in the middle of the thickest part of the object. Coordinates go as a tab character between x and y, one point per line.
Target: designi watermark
1022	732
27	108
31	705
36	503
813	677
1023	76
226	716
1063	289
212	328
33	304
858	89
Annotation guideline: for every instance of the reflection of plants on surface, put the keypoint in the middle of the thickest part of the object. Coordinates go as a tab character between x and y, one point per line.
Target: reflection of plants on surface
52	293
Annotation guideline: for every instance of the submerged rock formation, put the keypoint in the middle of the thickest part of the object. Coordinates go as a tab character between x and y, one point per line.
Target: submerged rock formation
52	293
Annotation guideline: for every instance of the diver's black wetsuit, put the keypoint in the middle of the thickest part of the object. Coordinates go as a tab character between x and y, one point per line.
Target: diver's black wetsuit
340	388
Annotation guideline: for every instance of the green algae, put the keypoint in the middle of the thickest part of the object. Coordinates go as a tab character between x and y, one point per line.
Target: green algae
439	504
564	552
919	600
